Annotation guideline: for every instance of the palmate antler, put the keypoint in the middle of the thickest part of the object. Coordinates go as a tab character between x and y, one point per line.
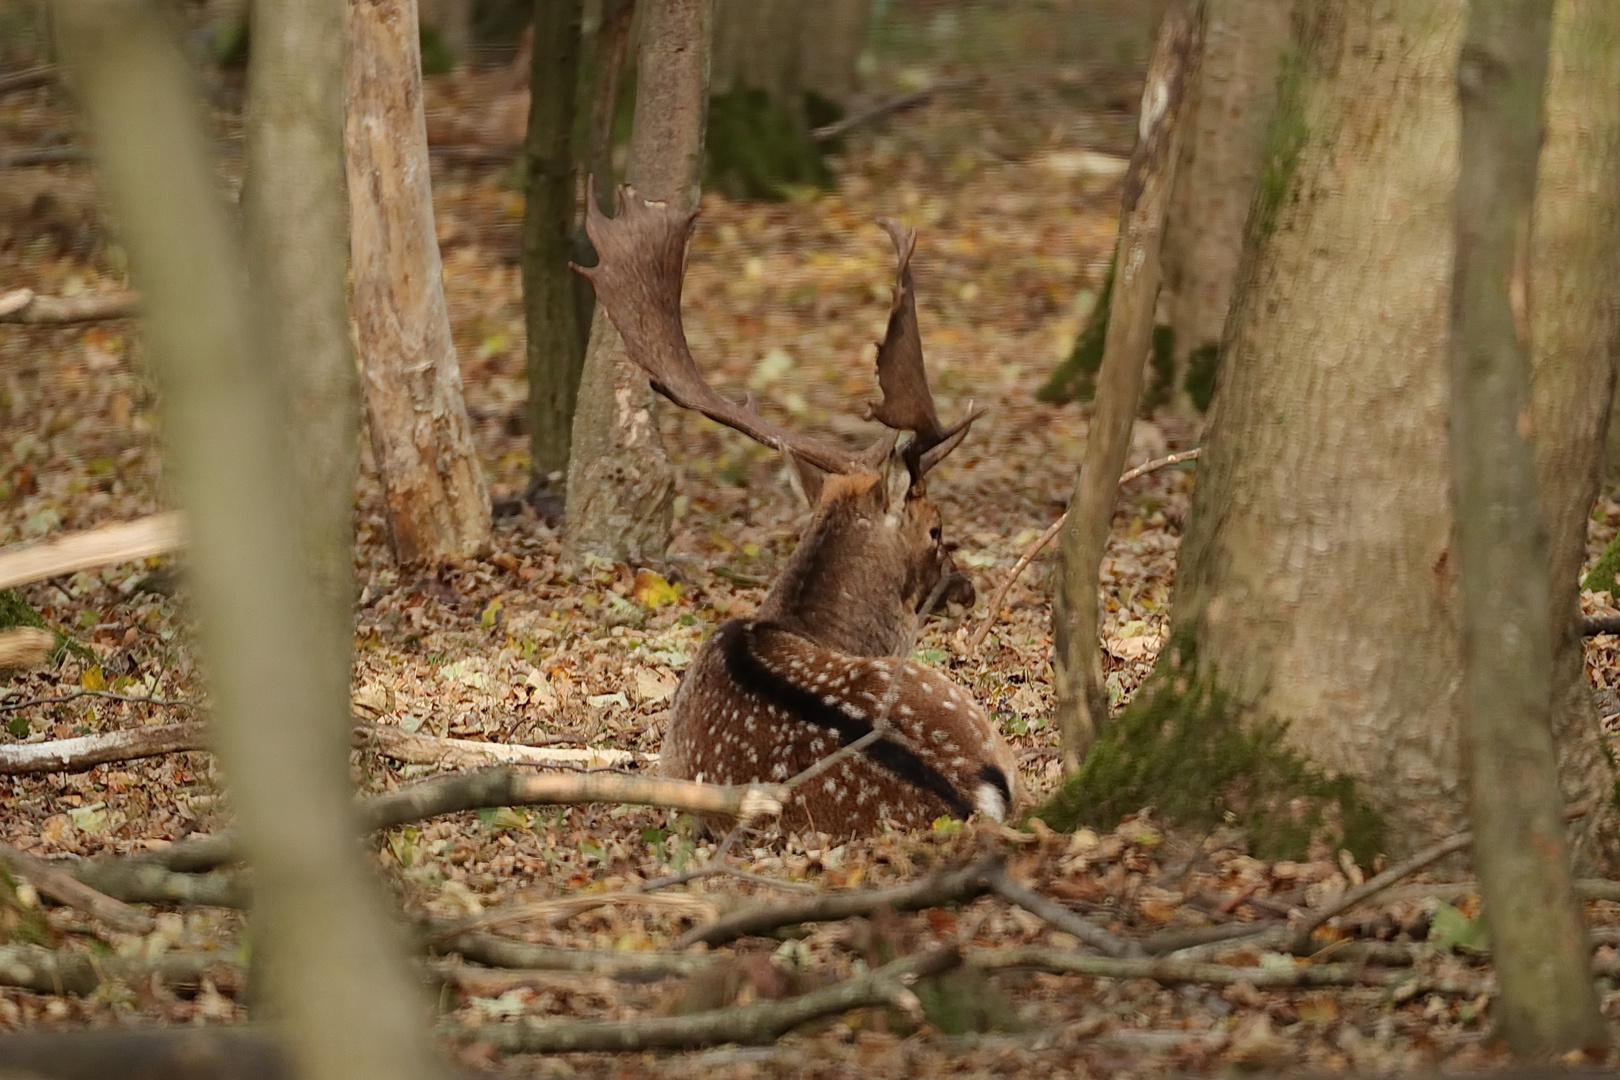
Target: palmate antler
642	255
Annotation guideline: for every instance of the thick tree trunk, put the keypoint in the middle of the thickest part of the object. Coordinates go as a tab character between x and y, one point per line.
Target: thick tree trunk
1538	946
620	485
432	483
830	61
1221	157
555	352
1575	346
1316	575
338	977
1077	676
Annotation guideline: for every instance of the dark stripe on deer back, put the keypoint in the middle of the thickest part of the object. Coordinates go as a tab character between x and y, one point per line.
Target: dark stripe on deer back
736	641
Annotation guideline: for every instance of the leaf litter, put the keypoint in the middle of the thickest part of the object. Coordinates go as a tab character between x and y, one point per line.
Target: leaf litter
786	300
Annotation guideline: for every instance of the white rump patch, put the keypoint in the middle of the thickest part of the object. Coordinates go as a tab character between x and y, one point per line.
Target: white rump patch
989	801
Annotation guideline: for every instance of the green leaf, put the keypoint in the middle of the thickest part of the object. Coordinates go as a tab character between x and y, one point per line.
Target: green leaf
18	727
1451	929
933	656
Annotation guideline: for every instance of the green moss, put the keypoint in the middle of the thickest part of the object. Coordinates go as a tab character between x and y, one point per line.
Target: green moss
1199	382
965	1001
1075	379
14	611
25	925
1601	577
436	56
1284	141
758	149
1162	365
1180	747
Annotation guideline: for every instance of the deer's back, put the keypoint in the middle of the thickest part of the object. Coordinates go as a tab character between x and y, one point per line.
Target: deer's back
761	703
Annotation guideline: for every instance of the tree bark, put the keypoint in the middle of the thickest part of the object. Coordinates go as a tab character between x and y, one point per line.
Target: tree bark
555	352
1082	704
830	58
620	485
433	486
1538	945
612	44
339	981
1316	577
1229	112
1575	346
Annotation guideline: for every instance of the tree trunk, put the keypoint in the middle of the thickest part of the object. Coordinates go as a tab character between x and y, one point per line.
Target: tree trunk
432	483
1221	157
1315	578
1547	1006
555	352
612	44
1077	676
339	978
1575	343
620	485
829	62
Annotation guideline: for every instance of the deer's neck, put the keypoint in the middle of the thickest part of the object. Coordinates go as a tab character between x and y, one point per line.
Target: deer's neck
845	586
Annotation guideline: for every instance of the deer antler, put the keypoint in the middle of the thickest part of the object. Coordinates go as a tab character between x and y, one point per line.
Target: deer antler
642	253
907	403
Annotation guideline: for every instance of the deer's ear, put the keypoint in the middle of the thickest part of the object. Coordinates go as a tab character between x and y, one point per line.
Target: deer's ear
805	478
896	483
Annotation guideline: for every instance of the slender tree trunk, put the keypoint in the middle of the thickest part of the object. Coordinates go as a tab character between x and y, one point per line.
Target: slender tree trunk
1316	577
1221	156
1547	1005
1082	704
620	485
339	982
432	483
831	52
612	45
555	352
1575	327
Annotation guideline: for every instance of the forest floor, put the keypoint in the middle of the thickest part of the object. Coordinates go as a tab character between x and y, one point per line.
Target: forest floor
1016	221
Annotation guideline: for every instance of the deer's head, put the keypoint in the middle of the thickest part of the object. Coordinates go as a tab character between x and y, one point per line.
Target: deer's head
873	560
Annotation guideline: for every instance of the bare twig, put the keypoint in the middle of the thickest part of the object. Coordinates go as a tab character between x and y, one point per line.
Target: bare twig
64	888
837	129
401	745
1600	624
25	306
1060	917
1172	972
755	1024
560	909
936	890
154	535
88	751
1052	530
106	695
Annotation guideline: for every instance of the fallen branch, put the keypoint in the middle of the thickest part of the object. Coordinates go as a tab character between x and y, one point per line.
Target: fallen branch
1600	624
28	78
59	971
137	882
1052	530
500	952
26	306
414	749
66	889
1173	972
936	890
750	1025
1058	916
509	787
87	751
157	534
840	128
560	909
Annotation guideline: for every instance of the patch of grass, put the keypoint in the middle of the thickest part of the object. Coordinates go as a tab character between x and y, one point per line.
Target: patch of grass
1601	577
1075	379
1181	747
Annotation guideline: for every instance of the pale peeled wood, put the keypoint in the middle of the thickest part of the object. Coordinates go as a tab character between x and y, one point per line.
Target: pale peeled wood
411	748
27	306
25	646
433	486
87	751
158	534
1082	700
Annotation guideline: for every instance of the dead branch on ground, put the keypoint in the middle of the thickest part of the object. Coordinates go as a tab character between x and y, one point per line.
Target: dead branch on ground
28	78
1052	530
500	952
136	882
64	888
411	748
1058	916
87	751
936	890
839	128
59	971
157	534
756	1024
27	306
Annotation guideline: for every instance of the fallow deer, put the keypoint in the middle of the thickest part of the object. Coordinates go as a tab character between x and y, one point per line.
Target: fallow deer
823	661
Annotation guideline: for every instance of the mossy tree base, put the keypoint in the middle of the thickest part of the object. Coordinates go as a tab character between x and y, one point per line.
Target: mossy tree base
759	149
1181	747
